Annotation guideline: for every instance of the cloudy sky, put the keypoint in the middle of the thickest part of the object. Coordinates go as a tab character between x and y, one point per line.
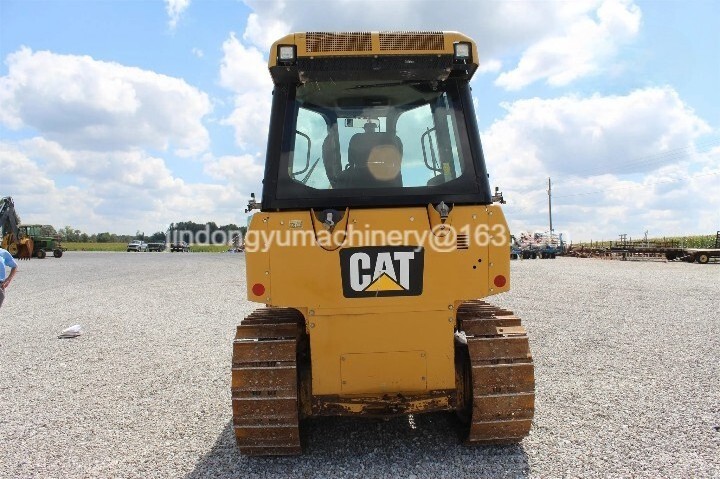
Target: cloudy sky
128	115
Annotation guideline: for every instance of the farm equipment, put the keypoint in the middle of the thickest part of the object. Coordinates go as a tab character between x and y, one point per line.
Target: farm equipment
704	255
703	251
376	236
43	244
25	241
544	245
18	244
515	249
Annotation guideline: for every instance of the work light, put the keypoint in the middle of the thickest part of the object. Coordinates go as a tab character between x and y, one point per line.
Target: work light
286	54
462	50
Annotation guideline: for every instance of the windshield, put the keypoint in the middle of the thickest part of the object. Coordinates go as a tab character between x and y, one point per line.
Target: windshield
408	136
365	143
397	134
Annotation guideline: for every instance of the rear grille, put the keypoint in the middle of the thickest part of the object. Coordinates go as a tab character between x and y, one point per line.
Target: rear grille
412	41
463	242
338	42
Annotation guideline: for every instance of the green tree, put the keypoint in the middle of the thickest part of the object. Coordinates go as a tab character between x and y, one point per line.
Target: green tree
158	237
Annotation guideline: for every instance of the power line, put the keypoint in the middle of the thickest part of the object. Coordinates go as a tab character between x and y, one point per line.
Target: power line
630	187
700	146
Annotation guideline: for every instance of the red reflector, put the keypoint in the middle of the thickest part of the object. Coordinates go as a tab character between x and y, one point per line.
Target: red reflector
500	281
258	289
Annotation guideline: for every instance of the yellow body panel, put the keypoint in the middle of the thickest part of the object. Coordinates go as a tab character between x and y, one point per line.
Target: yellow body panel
420	343
383	372
372	43
284	256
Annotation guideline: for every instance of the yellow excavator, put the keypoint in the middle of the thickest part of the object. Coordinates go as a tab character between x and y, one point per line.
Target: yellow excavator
376	236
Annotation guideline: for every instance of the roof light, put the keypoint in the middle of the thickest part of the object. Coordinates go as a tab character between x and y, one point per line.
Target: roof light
286	54
462	50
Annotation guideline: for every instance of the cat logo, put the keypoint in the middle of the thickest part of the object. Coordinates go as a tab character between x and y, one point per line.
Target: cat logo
382	271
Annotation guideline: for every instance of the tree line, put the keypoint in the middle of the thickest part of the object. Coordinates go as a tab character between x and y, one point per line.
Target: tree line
206	233
185	231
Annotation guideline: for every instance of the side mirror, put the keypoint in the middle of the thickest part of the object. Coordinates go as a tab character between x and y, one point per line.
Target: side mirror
498	196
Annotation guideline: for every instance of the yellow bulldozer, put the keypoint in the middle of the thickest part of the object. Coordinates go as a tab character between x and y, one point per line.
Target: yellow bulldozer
377	235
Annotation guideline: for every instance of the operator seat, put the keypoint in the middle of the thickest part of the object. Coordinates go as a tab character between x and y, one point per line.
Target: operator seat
374	160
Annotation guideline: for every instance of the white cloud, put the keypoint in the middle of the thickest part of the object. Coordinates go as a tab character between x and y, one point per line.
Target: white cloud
55	157
596	135
198	52
562	40
105	129
118	192
134	169
243	68
491	66
244	72
175	9
83	103
585	48
38	199
20	174
496	26
240	170
264	31
614	161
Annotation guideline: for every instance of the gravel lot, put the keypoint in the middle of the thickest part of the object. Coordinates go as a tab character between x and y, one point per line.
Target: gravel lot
627	361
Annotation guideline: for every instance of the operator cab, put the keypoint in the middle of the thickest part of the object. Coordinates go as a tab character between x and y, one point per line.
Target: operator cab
397	131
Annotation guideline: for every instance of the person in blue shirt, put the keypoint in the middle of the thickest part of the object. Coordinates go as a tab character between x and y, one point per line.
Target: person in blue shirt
6	261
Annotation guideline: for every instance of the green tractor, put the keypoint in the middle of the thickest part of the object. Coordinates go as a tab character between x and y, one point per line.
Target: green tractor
42	243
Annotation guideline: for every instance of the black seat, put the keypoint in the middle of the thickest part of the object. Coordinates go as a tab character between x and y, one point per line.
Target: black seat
373	161
436	180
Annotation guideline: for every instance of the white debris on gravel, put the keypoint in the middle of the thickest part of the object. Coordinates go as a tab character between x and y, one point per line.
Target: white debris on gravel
71	332
627	361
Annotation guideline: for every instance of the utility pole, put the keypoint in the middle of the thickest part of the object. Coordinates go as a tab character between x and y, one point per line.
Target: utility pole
549	191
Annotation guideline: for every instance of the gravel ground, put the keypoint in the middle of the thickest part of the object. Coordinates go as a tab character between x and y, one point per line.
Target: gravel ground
627	361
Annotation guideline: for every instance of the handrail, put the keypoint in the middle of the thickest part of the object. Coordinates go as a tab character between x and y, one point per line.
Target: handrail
432	151
307	160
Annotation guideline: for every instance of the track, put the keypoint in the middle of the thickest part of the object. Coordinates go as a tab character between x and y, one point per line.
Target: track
501	375
265	382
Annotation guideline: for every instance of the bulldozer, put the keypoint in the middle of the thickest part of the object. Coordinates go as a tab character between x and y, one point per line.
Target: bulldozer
376	239
14	239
